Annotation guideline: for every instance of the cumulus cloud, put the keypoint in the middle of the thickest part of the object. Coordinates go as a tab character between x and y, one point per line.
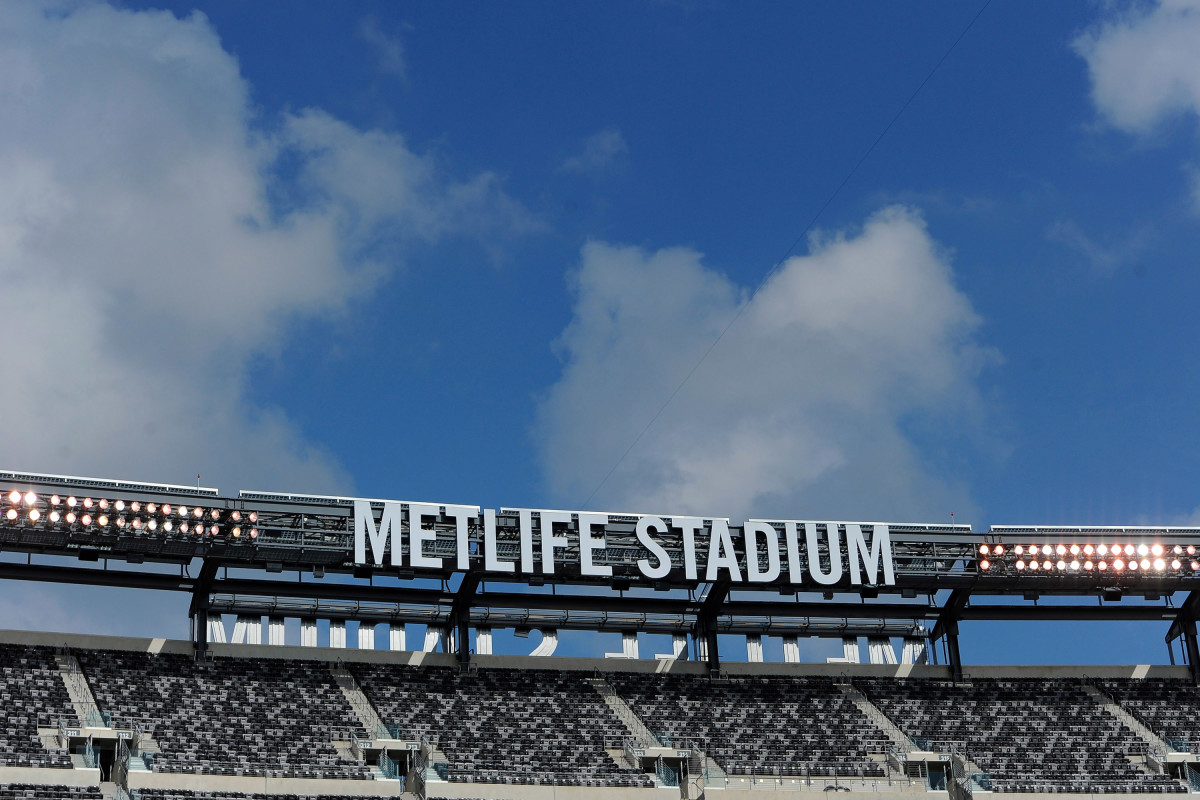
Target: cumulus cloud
800	411
156	233
600	151
1144	65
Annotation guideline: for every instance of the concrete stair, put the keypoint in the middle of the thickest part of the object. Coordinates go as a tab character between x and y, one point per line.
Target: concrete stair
368	717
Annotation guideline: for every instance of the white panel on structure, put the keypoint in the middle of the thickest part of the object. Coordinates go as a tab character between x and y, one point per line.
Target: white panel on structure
276	632
880	651
253	629
850	648
548	643
754	651
337	633
396	636
791	649
432	635
216	629
629	644
483	641
366	636
702	648
914	652
308	633
678	648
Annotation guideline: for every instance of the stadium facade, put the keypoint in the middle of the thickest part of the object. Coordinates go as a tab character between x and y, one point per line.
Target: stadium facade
315	691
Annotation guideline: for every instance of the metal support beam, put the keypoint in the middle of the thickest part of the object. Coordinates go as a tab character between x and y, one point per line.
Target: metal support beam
947	626
460	616
198	608
706	621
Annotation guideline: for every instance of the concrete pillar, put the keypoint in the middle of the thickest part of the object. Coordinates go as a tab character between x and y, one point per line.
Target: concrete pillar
337	633
308	633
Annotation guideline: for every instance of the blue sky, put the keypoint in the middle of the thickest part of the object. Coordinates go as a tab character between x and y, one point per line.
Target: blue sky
463	253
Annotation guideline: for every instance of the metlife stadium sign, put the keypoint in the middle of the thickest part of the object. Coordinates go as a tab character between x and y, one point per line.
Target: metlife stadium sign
693	548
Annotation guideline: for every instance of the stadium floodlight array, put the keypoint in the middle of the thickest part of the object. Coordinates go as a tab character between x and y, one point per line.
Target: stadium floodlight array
1089	552
101	513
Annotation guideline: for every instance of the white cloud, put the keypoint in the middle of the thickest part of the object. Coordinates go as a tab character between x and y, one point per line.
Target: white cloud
801	409
156	233
389	49
1144	65
1104	258
600	151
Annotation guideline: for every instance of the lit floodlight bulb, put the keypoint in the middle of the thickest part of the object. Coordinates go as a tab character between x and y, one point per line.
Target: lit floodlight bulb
1088	549
30	498
238	532
119	505
985	565
1047	549
1118	564
1196	565
34	515
1132	565
11	513
1019	550
87	502
120	522
1061	549
1129	549
254	516
168	525
14	497
1143	550
102	521
151	508
1074	565
72	502
135	506
998	550
1178	550
213	530
1046	565
1102	566
254	533
1175	563
197	512
1074	549
183	527
984	549
1102	549
87	519
1088	565
236	516
1020	565
71	517
1061	565
215	514
1033	565
55	499
152	525
137	524
166	509
103	504
1156	549
1160	564
1145	563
